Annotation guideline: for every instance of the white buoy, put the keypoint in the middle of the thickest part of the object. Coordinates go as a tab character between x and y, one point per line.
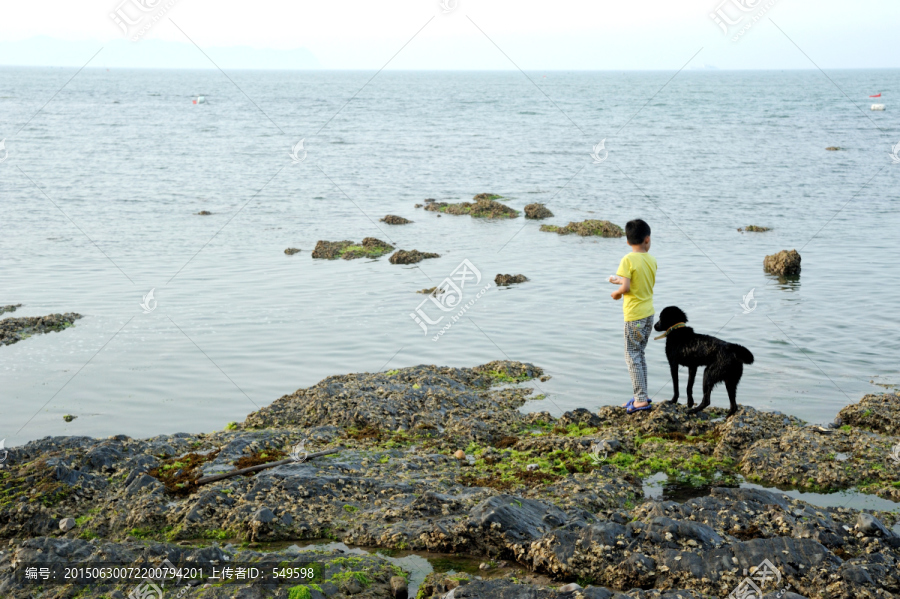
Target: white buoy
877	106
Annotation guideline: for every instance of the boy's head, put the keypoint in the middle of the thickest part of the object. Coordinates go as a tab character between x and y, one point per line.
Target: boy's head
636	231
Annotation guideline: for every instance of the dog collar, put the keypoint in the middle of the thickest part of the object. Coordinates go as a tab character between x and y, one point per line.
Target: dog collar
670	329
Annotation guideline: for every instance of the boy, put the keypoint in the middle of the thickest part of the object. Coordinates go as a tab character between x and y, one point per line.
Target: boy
636	276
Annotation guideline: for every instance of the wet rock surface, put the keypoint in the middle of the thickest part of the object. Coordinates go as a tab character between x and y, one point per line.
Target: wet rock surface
753	229
484	206
587	228
292	251
786	263
537	212
411	256
509	279
349	250
560	497
395	220
203	213
13	330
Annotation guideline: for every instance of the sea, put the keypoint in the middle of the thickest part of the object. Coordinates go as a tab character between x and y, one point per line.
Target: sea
103	172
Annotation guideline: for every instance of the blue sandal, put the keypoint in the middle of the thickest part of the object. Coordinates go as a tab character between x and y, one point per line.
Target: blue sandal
630	409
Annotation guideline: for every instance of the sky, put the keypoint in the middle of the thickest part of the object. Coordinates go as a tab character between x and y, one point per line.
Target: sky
458	34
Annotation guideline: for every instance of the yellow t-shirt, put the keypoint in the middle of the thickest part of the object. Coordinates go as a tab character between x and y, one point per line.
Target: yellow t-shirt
641	269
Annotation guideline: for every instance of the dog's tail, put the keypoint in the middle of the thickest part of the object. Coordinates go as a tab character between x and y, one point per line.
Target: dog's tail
743	353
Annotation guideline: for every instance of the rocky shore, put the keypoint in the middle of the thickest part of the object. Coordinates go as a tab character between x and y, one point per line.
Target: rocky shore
446	460
13	330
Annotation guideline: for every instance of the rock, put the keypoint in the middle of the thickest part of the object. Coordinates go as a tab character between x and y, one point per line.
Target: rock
395	220
608	446
537	212
532	467
351	586
460	454
753	229
483	207
399	589
785	263
597	228
203	213
435	290
69	417
509	279
484	566
418	205
13	330
875	412
486	197
66	524
263	515
410	256
9	308
871	526
348	250
581	417
570	588
291	251
832	148
142	482
516	520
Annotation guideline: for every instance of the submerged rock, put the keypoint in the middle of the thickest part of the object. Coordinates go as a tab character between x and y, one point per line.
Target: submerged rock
537	212
832	148
753	229
292	251
13	330
590	227
430	290
483	207
509	279
348	250
9	308
784	263
203	213
411	256
486	197
395	220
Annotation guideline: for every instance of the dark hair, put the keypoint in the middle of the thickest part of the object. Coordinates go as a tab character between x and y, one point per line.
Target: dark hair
636	231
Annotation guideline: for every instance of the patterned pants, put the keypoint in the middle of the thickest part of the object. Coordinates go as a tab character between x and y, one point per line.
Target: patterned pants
637	334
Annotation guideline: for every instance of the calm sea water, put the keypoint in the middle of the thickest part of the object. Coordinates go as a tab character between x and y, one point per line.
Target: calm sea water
128	158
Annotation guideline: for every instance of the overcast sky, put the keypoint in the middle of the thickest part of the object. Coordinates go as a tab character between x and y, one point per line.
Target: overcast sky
596	34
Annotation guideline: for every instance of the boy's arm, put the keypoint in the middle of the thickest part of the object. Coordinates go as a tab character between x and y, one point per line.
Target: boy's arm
623	289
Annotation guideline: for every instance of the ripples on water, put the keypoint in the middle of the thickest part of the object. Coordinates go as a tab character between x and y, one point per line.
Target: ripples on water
129	158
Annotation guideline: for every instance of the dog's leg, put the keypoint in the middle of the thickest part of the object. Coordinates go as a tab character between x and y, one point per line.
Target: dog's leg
674	368
731	384
708	384
692	373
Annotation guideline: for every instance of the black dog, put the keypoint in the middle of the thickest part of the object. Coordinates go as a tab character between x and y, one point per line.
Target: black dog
724	361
